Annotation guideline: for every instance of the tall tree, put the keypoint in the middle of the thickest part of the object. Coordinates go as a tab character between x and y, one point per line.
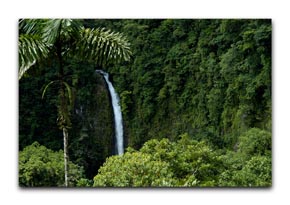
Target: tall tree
58	40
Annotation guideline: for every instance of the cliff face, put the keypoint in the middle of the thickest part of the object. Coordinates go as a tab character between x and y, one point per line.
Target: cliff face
93	133
208	78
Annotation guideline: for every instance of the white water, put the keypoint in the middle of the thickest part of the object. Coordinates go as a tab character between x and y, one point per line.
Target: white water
117	113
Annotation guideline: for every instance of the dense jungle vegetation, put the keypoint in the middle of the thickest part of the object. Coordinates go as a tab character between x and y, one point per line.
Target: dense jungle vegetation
196	105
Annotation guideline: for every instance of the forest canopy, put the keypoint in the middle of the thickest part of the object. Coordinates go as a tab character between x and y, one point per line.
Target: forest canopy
195	96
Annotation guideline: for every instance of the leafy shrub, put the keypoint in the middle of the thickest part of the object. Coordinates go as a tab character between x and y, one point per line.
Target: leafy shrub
255	141
134	169
251	165
188	159
162	163
255	173
39	166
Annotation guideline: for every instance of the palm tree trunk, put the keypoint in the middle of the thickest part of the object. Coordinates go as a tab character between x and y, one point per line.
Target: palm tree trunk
65	154
63	114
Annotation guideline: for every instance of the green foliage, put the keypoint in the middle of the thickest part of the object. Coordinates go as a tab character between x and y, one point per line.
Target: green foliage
255	142
45	88
42	167
84	183
61	43
102	46
133	169
67	38
208	78
251	165
162	163
39	37
34	117
126	102
92	133
256	172
31	49
188	159
186	163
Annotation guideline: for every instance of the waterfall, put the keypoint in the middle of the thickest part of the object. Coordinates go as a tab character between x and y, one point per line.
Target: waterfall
117	113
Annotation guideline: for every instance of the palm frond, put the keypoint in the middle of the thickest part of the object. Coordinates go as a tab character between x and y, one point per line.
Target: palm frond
71	28
103	46
45	88
30	49
62	29
51	30
69	92
31	26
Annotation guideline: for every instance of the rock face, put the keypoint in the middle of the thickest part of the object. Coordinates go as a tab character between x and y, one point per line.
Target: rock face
90	139
93	130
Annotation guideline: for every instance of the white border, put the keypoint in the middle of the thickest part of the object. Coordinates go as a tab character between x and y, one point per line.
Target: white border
12	10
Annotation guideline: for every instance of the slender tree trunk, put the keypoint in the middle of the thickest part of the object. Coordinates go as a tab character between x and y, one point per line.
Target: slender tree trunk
63	113
65	154
64	126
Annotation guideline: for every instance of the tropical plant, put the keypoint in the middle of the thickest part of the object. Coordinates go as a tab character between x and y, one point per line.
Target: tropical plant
57	41
39	166
193	163
255	172
255	142
134	169
251	164
163	163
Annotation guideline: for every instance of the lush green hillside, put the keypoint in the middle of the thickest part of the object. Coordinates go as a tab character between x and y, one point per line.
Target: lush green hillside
208	79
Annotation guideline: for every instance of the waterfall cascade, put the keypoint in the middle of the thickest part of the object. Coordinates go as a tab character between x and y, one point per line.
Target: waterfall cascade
117	113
